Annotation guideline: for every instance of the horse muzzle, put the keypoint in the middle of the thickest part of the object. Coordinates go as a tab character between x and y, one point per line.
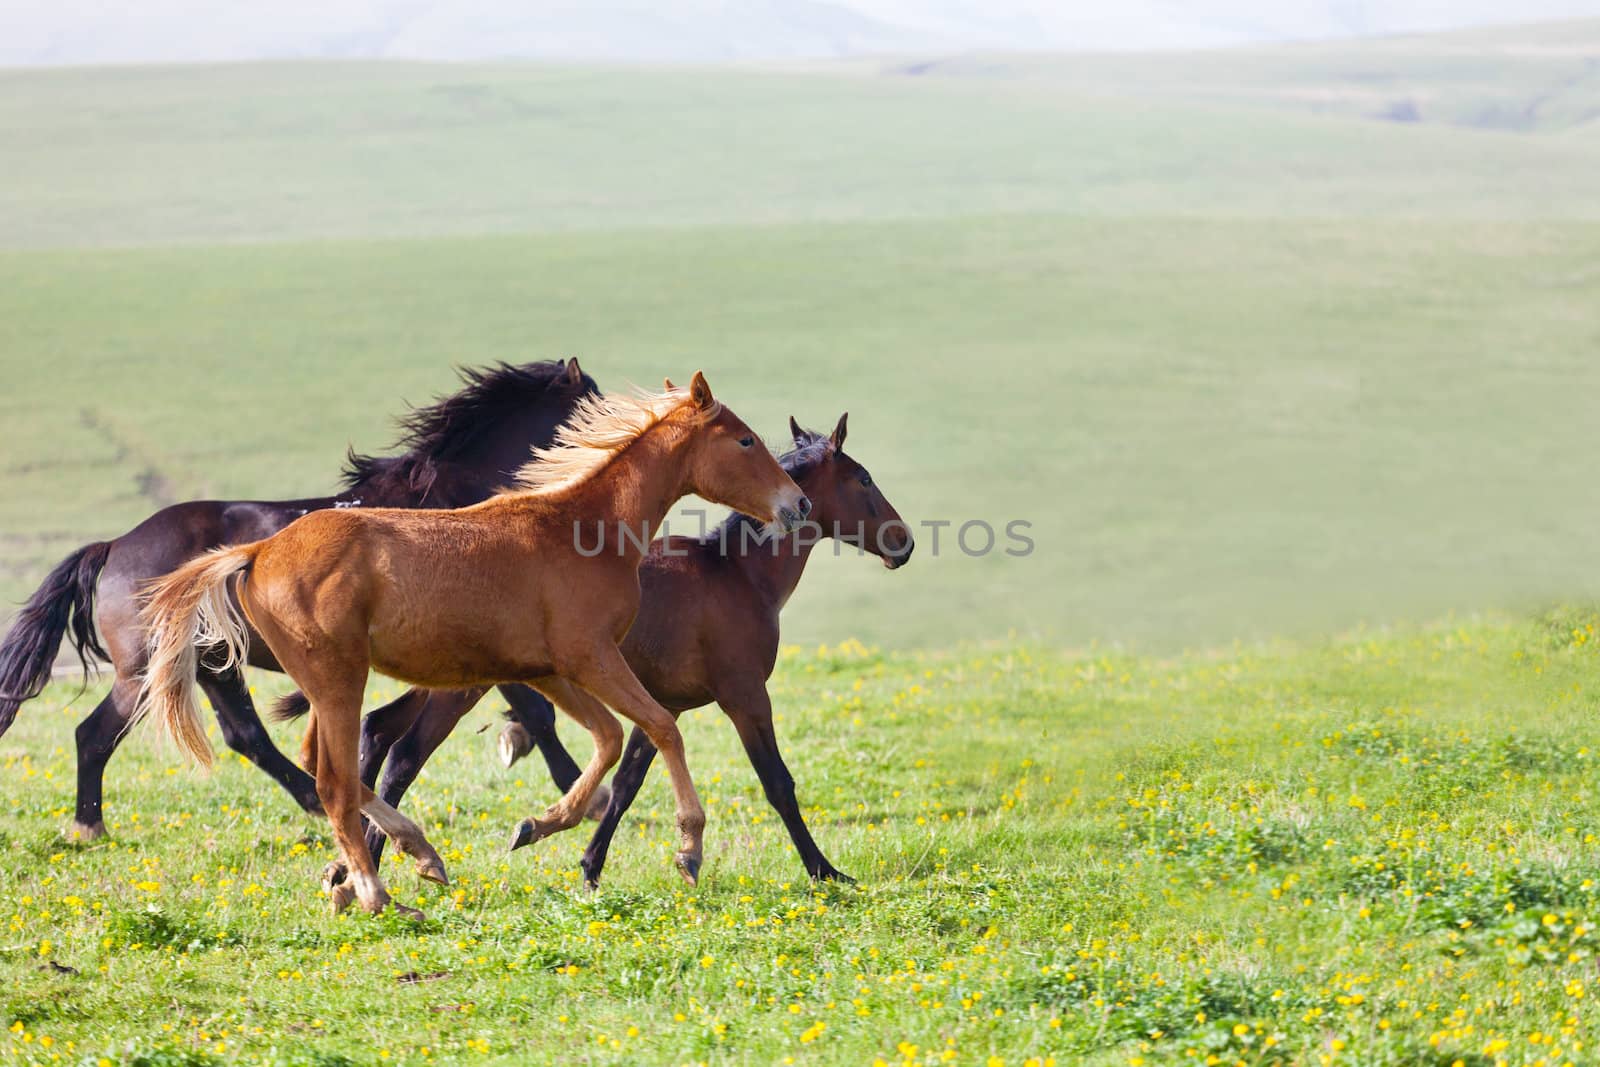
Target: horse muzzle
791	516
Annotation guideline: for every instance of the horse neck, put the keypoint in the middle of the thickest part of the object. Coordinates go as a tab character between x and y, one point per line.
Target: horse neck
775	567
495	459
636	489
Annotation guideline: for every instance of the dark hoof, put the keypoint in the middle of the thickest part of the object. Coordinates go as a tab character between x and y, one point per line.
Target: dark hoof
515	742
433	871
689	867
830	874
526	833
311	805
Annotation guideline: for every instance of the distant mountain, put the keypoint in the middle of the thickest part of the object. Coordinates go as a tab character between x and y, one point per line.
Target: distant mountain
95	31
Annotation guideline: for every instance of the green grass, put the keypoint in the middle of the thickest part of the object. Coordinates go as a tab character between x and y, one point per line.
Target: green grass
1249	370
1538	77
324	150
1378	849
1217	427
1250	362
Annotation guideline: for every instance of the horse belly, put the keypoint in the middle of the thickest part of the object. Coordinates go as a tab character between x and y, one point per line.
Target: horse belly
456	641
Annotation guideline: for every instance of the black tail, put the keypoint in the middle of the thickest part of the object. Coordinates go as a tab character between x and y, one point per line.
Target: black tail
291	707
65	601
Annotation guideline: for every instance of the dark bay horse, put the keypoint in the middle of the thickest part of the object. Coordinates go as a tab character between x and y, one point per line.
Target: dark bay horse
707	631
458	451
503	591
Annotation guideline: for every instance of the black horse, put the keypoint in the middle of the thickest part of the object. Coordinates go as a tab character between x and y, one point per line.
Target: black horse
458	451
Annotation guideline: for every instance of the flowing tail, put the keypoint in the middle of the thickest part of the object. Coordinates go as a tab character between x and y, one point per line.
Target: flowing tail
64	602
187	611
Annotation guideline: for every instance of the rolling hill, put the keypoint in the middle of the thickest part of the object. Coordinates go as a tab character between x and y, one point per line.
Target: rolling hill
1248	365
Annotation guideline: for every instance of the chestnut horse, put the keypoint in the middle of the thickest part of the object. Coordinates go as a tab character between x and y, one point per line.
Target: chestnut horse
707	631
458	451
509	590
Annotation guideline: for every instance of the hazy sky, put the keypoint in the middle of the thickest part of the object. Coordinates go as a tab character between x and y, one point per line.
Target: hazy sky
100	31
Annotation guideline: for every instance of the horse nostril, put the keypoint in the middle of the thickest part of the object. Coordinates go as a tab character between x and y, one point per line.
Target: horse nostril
804	506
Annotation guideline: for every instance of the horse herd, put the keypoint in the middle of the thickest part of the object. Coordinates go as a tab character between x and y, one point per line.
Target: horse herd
509	545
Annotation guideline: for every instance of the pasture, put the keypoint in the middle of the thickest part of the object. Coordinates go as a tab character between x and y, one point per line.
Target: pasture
1259	364
1376	849
1248	370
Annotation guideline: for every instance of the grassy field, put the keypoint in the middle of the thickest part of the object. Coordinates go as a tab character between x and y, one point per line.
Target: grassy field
1353	420
1256	364
1373	850
1248	369
327	150
1536	77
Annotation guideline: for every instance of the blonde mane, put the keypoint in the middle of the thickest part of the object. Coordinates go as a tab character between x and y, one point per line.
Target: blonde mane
600	428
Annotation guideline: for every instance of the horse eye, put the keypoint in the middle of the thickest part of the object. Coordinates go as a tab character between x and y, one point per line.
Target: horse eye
866	479
746	442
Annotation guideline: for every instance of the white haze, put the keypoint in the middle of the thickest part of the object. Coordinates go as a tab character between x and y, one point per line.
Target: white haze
41	32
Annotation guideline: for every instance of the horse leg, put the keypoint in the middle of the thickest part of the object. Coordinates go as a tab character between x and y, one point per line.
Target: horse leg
406	835
308	743
98	736
335	697
609	678
245	733
607	733
385	726
533	723
625	785
437	715
750	708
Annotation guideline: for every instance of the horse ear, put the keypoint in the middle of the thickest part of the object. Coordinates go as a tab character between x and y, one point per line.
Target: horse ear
701	392
667	382
837	437
795	431
421	479
574	372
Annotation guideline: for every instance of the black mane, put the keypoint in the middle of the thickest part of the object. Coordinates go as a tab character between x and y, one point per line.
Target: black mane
449	427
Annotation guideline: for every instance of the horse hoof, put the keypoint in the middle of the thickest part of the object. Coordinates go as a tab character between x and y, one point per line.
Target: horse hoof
526	833
515	742
689	867
433	871
591	876
831	874
334	874
84	832
407	913
599	803
530	830
340	897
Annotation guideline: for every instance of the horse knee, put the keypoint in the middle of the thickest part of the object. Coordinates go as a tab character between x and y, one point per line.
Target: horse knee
537	717
338	798
94	742
241	737
666	737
